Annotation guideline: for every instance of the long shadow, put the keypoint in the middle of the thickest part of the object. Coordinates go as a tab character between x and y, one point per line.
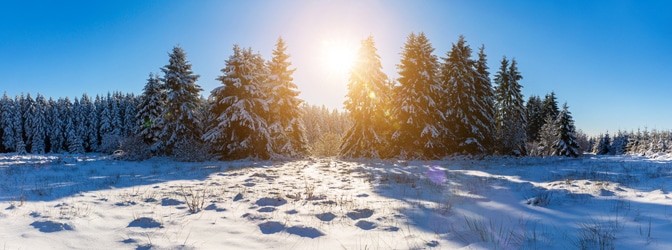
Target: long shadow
52	177
506	193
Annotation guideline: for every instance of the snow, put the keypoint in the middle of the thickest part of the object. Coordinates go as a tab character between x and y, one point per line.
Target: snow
93	201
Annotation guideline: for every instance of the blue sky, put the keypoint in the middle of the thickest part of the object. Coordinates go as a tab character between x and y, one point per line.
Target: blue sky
610	60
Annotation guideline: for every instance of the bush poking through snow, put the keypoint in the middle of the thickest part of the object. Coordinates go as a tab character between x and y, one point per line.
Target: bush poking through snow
195	199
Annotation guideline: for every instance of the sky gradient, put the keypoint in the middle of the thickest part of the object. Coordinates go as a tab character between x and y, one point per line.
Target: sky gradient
610	60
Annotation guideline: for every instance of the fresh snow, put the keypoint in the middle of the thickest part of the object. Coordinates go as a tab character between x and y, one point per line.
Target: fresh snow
95	202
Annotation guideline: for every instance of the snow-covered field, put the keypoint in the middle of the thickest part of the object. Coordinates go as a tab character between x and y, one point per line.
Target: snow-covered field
95	202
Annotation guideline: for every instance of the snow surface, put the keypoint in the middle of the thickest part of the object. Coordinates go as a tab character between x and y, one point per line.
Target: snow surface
96	202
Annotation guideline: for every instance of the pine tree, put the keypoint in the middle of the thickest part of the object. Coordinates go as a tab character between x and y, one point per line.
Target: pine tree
550	106
566	144
55	129
486	98
468	117
90	126
7	123
603	145
27	105
149	112
420	123
38	125
179	119
535	117
284	122
367	103
510	118
130	107
547	137
240	106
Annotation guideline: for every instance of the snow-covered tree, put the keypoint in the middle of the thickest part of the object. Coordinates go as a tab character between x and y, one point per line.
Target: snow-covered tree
510	118
420	123
619	144
241	107
179	118
486	98
7	123
550	106
547	137
603	145
566	144
284	121
367	102
149	112
468	114
88	116
535	117
56	125
38	125
130	109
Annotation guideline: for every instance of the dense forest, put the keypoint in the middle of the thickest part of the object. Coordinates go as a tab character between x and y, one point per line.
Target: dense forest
438	106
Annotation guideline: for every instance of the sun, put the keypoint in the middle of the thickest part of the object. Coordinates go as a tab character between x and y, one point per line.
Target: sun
338	56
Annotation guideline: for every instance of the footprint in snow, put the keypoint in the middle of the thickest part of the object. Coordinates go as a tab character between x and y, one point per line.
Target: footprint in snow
326	216
366	225
50	226
271	227
267	201
308	232
360	214
145	222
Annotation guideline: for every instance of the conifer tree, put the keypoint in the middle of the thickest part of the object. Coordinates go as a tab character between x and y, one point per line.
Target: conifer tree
240	106
510	118
468	117
19	140
566	144
285	125
38	125
149	112
90	126
367	103
55	132
420	123
486	98
7	122
602	147
550	106
547	137
179	118
535	117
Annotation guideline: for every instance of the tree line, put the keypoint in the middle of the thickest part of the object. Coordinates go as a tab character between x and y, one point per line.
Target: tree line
434	109
440	107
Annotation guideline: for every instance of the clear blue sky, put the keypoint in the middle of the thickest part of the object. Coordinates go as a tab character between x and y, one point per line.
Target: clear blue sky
610	60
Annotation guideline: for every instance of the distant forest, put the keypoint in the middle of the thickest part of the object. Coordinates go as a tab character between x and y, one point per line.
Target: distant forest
439	106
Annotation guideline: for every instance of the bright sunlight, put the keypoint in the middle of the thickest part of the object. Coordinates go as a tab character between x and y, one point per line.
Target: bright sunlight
338	56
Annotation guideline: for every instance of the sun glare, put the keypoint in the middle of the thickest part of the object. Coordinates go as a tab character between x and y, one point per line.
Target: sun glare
338	56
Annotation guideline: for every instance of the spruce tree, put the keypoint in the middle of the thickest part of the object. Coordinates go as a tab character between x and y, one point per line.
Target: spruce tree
510	118
486	98
55	132
285	126
7	122
367	103
468	103
420	123
149	111
547	137
90	118
566	144
179	117
241	107
20	143
550	106
535	117
38	125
